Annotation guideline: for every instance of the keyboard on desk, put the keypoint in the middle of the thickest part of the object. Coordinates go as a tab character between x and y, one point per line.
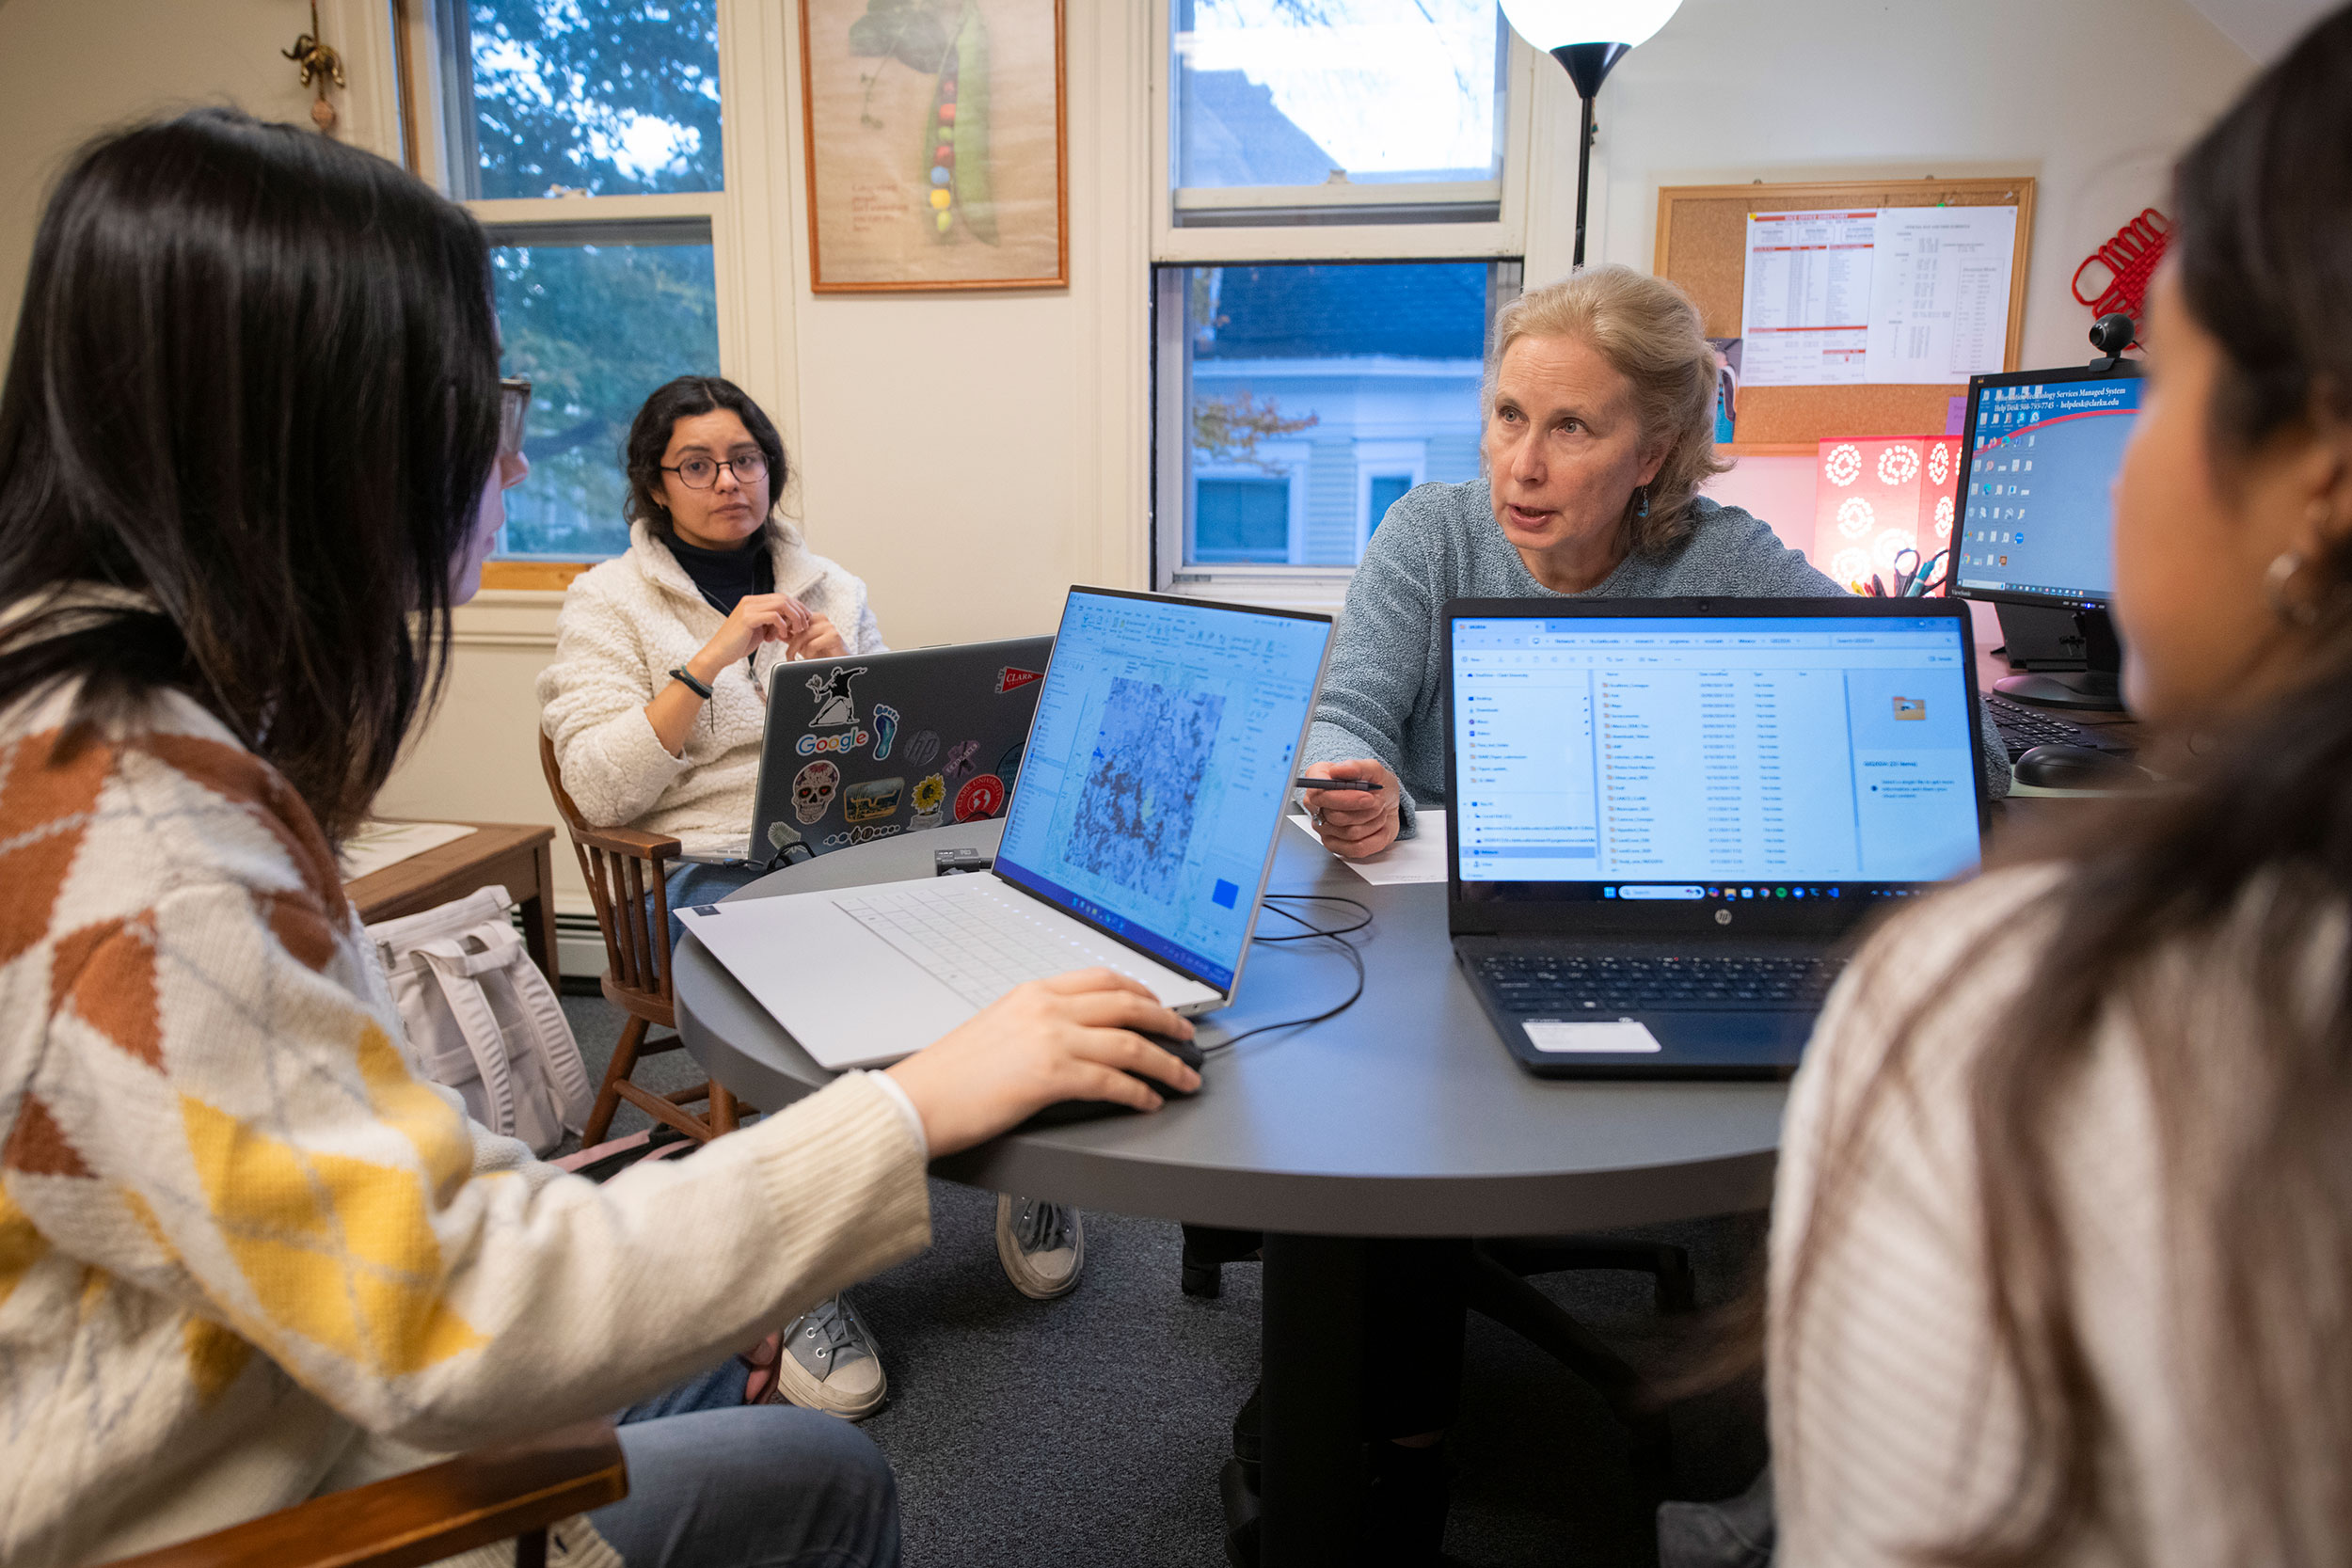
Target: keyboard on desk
973	937
2023	728
1566	986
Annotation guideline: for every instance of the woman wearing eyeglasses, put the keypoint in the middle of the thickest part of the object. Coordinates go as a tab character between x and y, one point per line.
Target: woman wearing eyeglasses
657	698
657	703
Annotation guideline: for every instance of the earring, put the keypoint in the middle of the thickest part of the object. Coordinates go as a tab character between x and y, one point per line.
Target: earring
1641	500
2284	568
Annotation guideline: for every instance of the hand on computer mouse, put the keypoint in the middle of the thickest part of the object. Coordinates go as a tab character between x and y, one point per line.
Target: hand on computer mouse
1350	823
1075	1037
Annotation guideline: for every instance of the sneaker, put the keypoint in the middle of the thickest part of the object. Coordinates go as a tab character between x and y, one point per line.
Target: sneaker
830	1362
1043	1246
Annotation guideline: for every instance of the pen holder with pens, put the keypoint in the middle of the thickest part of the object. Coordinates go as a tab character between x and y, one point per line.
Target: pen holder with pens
1883	511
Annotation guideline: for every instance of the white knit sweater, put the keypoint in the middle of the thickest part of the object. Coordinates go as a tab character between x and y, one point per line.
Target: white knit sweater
626	624
247	1252
1894	1424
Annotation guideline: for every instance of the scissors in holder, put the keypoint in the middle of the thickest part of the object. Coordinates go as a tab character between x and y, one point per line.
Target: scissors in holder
1933	575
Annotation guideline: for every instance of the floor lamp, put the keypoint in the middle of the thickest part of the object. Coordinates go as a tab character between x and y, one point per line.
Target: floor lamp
1588	38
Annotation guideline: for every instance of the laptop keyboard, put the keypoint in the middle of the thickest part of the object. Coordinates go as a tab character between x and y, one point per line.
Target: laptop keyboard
975	938
1548	984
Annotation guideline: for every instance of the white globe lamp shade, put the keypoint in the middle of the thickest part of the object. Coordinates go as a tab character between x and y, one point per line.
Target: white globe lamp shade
1549	24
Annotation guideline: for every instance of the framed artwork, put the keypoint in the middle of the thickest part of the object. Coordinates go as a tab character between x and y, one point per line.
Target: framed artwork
935	138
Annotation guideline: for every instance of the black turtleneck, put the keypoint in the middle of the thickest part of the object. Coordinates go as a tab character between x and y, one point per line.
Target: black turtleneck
726	575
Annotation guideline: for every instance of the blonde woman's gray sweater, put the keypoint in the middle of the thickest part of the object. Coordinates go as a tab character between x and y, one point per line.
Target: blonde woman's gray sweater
1382	696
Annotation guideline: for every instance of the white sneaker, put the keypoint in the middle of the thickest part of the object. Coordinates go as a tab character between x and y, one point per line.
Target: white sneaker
830	1362
1042	1246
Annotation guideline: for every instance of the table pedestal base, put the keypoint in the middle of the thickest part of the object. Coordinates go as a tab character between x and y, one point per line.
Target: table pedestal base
1312	1436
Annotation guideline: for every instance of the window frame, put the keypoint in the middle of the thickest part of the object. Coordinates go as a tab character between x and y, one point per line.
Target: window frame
428	104
1308	224
1322	223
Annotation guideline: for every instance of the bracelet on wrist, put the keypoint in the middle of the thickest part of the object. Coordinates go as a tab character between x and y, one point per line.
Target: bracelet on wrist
688	678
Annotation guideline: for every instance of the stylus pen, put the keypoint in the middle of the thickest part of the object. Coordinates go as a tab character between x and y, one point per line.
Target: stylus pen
1364	786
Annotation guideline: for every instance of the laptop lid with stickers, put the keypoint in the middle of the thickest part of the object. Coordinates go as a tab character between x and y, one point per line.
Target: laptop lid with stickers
1162	758
873	745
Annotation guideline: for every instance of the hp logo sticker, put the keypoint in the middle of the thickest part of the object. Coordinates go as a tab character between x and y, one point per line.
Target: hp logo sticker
1722	917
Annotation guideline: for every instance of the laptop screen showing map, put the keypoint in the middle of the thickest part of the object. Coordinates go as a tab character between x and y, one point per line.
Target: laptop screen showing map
1157	770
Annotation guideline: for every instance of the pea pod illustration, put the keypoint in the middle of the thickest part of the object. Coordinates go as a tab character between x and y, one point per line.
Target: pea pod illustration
955	135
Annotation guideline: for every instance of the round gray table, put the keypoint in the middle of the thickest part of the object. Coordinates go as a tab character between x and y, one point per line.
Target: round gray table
1402	1117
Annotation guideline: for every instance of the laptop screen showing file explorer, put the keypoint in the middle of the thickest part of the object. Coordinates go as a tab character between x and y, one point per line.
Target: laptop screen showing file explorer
1679	759
1157	767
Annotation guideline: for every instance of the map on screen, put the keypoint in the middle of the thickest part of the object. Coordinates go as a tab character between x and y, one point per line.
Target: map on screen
1157	768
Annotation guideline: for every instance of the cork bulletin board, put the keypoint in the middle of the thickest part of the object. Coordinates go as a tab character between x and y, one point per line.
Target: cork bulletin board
1702	244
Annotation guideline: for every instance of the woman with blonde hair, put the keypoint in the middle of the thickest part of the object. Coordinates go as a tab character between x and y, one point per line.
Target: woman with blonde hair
1600	433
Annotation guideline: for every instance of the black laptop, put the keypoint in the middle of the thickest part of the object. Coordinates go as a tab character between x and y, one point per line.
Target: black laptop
874	745
1667	814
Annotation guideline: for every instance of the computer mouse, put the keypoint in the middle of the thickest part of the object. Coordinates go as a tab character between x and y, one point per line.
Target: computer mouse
2075	768
1063	1112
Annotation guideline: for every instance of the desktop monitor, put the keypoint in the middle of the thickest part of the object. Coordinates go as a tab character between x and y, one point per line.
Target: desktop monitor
2035	514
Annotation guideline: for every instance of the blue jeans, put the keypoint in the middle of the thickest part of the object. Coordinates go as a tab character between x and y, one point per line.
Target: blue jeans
716	1483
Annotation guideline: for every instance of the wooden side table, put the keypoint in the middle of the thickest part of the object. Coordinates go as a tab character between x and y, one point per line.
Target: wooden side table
515	855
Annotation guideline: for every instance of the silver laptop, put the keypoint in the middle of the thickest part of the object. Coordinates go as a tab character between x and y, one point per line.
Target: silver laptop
1140	837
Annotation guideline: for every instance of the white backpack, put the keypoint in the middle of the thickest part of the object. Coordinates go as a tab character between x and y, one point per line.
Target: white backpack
483	1020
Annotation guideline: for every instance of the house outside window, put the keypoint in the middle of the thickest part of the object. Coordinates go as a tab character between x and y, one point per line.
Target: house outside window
1340	221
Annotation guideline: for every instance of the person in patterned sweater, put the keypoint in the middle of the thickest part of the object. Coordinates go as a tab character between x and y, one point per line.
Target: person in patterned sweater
250	456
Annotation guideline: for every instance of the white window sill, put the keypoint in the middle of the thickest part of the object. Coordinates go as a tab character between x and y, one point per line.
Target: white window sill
1316	588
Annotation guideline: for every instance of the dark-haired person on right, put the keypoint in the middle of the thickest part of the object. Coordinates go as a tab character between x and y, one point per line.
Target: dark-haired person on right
2062	1243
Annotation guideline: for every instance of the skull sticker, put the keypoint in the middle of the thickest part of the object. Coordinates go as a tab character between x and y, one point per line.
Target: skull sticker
811	791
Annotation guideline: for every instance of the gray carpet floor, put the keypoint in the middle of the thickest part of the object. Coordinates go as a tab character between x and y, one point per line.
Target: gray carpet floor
1090	1429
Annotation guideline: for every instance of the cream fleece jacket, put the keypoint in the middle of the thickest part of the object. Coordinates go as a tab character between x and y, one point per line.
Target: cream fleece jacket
626	625
248	1252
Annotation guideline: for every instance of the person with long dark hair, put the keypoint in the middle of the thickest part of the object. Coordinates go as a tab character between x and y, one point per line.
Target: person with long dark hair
250	458
2063	1252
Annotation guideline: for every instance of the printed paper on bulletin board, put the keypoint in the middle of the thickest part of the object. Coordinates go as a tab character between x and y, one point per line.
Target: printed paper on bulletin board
1702	244
934	139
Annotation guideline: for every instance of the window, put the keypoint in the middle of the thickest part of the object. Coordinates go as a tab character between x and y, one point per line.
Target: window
1342	211
1382	491
1242	520
1336	110
596	328
1322	389
589	137
548	98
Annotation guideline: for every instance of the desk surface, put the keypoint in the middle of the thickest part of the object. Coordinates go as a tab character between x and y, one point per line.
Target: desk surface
1403	1116
383	894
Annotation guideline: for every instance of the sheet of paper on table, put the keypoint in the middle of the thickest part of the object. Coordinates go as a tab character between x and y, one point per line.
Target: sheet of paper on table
378	845
1419	858
1898	296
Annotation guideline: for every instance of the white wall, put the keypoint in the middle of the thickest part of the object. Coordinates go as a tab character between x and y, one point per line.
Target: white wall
973	454
2093	98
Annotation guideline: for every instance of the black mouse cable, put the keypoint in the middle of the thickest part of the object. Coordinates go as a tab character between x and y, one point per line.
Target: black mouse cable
1336	935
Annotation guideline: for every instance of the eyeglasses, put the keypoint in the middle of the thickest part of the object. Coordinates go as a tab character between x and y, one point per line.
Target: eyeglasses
514	402
701	474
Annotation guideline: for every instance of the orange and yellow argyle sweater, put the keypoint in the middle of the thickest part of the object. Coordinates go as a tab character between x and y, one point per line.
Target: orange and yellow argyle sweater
247	1253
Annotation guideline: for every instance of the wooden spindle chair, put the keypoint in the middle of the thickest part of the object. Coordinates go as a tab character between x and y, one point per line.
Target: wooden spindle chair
513	1492
628	876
